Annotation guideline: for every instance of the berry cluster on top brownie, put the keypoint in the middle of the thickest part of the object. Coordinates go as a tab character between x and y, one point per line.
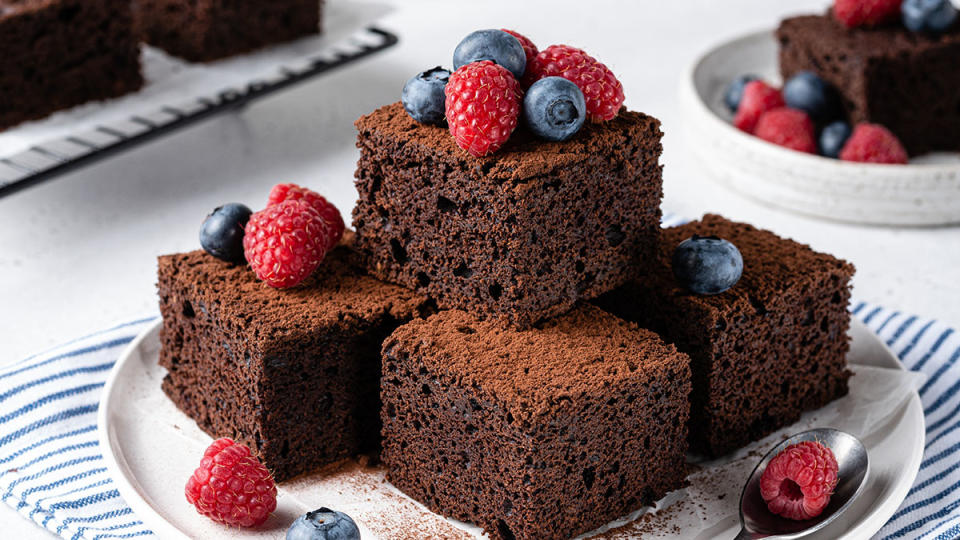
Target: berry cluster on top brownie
527	203
892	63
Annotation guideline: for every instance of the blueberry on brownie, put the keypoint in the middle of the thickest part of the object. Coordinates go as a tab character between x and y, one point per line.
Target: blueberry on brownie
769	348
292	374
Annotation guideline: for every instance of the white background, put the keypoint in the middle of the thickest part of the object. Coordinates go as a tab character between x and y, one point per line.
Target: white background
78	252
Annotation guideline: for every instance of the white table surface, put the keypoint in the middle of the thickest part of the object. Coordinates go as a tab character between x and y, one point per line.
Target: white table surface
78	252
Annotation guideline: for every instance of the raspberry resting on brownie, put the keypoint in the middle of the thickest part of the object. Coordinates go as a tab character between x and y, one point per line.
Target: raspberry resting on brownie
293	374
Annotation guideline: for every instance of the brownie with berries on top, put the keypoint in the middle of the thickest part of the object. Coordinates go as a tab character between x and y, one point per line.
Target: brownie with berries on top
61	53
271	335
887	74
507	204
521	234
204	30
769	348
541	433
291	373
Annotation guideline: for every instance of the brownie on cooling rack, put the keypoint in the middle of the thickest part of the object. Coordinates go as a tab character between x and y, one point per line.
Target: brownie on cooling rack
205	30
542	433
520	235
763	352
55	54
294	373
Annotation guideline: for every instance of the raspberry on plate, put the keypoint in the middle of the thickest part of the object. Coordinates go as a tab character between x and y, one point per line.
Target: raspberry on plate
600	87
798	482
529	49
285	242
854	13
483	104
329	212
873	143
790	128
231	487
758	98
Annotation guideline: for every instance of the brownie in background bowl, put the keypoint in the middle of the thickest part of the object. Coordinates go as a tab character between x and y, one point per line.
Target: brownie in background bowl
906	81
544	433
520	235
55	54
293	374
205	30
761	353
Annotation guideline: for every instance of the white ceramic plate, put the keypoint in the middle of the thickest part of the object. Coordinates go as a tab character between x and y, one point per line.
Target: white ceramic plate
926	192
151	448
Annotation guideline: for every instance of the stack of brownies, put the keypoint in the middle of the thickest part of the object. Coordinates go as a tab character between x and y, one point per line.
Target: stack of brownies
514	319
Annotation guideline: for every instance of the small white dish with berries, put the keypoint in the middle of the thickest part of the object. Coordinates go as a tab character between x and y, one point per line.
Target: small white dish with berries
787	144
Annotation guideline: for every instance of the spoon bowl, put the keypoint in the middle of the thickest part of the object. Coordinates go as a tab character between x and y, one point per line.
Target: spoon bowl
854	466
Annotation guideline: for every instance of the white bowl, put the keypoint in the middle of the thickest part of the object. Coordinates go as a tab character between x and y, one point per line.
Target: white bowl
925	192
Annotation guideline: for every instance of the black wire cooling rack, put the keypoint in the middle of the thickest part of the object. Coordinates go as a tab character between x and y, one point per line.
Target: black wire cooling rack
55	157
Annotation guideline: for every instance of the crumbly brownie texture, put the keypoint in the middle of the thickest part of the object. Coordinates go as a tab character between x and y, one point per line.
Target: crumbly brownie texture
292	374
60	53
543	433
521	234
763	352
903	80
204	30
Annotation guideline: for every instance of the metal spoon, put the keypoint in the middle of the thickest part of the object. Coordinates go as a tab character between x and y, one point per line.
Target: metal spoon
758	522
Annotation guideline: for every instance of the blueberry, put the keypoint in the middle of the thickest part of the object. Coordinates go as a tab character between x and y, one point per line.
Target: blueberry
554	108
494	45
323	524
423	96
808	92
734	92
707	264
932	16
222	232
833	137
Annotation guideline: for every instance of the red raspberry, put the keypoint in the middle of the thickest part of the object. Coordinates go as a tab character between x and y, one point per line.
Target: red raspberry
798	482
483	104
284	243
231	487
758	98
329	212
853	13
600	87
788	127
873	143
530	50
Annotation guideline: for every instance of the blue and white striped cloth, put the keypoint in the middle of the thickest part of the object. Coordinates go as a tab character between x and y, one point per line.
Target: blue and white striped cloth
52	471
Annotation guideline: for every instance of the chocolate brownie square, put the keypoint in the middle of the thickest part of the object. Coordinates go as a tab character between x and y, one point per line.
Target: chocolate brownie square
205	30
293	374
763	352
541	433
55	54
904	80
521	234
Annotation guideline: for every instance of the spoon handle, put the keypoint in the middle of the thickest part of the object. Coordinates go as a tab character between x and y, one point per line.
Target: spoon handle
744	535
